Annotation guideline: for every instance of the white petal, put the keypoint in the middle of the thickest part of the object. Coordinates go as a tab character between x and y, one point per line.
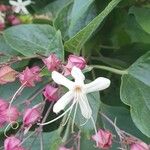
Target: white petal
24	10
20	1
28	2
62	102
60	79
17	9
98	84
77	75
14	3
85	107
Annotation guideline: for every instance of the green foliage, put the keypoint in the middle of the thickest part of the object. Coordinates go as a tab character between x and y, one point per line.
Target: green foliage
31	40
113	36
135	92
76	43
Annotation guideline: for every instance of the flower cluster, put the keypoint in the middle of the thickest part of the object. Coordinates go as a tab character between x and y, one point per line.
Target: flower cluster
7	115
52	93
13	143
7	17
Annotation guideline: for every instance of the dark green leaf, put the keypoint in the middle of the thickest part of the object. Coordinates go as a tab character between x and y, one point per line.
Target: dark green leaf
142	17
72	18
51	141
76	43
135	89
32	39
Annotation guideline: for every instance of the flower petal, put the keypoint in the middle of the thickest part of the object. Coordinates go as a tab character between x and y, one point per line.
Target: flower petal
98	84
62	102
24	10
60	79
85	107
13	3
26	3
77	75
17	9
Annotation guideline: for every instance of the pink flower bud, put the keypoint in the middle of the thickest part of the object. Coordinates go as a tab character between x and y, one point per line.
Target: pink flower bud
103	139
3	105
64	148
52	62
29	76
139	146
4	8
12	143
11	114
13	20
51	93
76	61
7	74
31	116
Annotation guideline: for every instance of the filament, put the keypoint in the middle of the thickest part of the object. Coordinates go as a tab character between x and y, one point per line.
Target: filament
67	117
74	116
11	101
46	123
11	124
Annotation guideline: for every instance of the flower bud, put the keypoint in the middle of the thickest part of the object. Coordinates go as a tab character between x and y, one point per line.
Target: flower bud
77	61
103	139
7	74
3	105
29	76
139	146
11	114
13	20
51	93
74	60
4	8
31	116
52	62
12	143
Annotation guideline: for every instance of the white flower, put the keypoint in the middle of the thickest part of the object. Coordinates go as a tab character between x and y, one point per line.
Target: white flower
77	91
20	6
77	95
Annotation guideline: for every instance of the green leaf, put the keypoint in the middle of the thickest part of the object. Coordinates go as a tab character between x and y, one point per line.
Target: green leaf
75	16
137	34
142	17
135	92
53	8
76	43
8	90
6	51
51	141
123	121
32	39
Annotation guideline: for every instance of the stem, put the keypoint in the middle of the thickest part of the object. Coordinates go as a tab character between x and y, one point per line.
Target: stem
113	70
41	141
65	137
46	115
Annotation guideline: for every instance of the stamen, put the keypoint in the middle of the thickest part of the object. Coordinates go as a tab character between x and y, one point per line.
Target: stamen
14	96
67	117
11	124
42	124
94	128
74	117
